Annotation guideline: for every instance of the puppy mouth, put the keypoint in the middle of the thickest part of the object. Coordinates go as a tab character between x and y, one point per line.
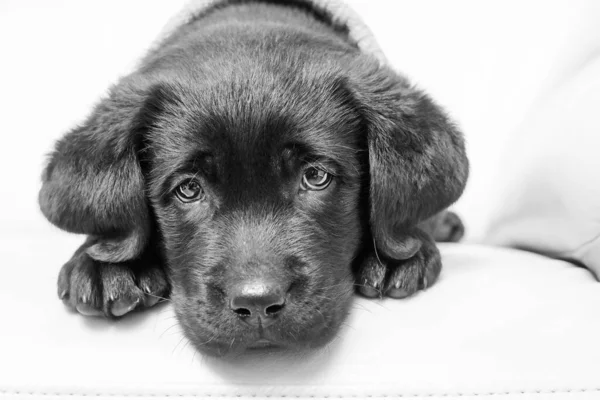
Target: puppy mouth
263	339
256	343
262	344
304	323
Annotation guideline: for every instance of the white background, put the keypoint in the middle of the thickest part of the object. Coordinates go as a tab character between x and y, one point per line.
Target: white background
486	62
498	321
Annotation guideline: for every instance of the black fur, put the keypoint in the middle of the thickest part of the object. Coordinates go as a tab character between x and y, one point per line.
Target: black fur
244	99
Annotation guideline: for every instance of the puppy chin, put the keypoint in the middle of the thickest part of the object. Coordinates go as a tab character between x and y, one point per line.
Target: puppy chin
287	335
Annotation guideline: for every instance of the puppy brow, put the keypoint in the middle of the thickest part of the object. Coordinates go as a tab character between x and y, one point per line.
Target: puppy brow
189	163
329	165
200	163
337	160
304	154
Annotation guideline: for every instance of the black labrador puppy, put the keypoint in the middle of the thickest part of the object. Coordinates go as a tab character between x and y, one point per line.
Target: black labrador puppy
256	167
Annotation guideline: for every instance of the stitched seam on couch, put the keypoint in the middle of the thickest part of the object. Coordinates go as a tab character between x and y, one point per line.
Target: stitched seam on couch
303	396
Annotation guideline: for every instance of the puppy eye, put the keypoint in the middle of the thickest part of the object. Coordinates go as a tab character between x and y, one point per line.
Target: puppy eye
189	191
315	179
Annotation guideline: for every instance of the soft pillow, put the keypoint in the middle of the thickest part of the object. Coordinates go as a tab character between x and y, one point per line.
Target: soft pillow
548	197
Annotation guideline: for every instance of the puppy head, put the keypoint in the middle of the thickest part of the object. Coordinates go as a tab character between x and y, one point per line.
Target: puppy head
252	181
256	190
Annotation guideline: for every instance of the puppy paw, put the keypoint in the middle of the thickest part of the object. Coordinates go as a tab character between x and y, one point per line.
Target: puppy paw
449	229
378	277
95	288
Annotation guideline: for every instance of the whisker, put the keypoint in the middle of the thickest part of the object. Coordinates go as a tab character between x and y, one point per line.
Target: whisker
361	285
348	325
379	303
178	343
163	299
210	340
321	297
231	344
376	253
168	329
333	286
361	307
320	313
187	342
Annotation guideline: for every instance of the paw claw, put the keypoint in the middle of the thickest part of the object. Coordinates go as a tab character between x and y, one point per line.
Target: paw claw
399	279
87	310
369	291
150	300
397	293
95	288
123	306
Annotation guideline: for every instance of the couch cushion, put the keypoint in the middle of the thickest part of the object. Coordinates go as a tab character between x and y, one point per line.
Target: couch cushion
549	197
499	323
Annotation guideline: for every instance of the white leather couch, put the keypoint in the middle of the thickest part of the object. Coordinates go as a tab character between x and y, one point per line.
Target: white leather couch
500	324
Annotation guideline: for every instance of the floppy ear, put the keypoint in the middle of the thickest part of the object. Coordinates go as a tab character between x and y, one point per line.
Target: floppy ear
417	159
93	183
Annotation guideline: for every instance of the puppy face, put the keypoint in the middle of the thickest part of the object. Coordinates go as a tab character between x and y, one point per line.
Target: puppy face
257	176
256	200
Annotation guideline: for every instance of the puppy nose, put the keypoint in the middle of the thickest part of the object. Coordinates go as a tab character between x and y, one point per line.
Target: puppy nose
257	302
